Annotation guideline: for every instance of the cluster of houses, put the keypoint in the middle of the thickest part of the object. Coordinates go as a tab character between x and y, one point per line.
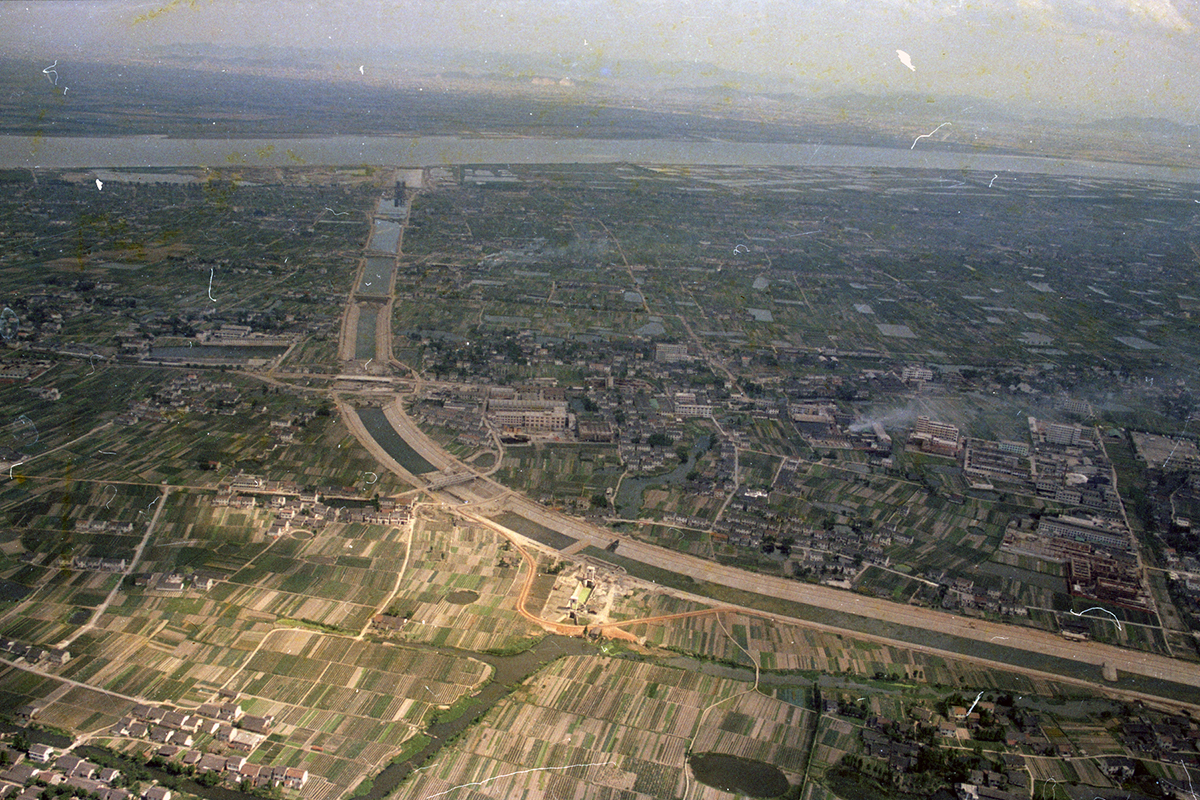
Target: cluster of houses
20	782
174	582
318	515
33	655
963	593
1067	464
178	397
1163	737
98	564
238	770
103	526
1070	467
456	411
890	742
191	393
138	411
979	789
23	370
90	563
1185	575
228	724
295	507
1149	735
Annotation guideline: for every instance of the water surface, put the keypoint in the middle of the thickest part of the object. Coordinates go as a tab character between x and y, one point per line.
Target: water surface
160	151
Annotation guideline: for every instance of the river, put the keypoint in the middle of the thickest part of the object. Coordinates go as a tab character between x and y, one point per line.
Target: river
160	151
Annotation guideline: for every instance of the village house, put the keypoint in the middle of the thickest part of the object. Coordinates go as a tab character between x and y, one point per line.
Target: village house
257	724
157	793
41	753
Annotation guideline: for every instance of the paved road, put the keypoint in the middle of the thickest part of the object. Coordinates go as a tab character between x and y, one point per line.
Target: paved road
1028	639
898	619
64	445
824	597
907	623
1092	654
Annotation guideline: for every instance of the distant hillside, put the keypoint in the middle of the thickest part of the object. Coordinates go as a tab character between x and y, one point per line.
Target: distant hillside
234	99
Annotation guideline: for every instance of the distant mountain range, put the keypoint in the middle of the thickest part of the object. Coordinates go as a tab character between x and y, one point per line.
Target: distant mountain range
620	75
1147	125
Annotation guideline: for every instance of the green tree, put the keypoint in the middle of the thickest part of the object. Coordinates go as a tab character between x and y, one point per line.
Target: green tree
210	778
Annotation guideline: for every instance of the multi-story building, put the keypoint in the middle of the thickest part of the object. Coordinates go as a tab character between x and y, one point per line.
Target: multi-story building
529	415
994	460
1082	530
670	353
688	405
1080	408
940	438
941	430
1060	433
1015	448
592	431
919	374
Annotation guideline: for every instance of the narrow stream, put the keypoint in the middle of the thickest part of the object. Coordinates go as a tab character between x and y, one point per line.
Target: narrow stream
629	500
508	673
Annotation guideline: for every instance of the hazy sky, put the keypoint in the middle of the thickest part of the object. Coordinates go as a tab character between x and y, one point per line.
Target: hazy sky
1104	57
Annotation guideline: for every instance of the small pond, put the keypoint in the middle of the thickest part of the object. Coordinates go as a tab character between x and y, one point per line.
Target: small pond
738	775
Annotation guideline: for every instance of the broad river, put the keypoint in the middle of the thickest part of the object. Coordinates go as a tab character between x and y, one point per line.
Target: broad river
160	151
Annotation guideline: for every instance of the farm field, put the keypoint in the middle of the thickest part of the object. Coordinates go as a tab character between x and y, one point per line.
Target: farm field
627	725
193	532
281	629
460	588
